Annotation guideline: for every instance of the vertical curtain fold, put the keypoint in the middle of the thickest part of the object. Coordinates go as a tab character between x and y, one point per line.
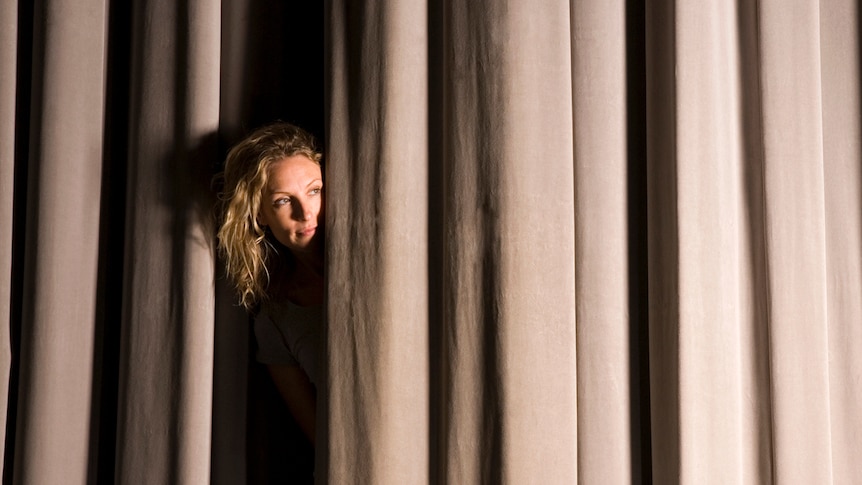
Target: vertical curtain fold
739	242
62	240
713	314
794	226
472	420
485	236
840	57
663	241
599	91
167	336
530	212
377	241
8	85
705	246
502	328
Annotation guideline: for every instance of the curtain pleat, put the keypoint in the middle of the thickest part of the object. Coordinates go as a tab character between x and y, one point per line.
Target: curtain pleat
472	415
567	241
376	237
841	65
502	327
738	246
705	311
794	226
8	84
602	234
509	158
166	353
62	233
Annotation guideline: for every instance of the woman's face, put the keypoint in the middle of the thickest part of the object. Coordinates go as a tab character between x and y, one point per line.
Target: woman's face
292	203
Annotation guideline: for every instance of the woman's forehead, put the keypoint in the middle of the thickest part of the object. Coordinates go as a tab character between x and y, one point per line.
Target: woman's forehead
290	173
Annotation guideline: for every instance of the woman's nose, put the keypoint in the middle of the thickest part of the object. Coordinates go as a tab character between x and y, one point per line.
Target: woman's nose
302	211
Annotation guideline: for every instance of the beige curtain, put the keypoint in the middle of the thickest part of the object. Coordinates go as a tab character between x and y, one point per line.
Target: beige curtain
119	364
61	232
8	34
568	242
754	214
519	190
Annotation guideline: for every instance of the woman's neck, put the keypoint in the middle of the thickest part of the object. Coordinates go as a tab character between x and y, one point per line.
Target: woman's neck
301	282
310	262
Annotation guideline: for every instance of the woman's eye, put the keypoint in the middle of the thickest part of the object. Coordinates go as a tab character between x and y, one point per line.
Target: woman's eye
280	202
315	190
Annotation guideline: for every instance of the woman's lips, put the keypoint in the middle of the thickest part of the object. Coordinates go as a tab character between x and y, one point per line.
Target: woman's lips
309	231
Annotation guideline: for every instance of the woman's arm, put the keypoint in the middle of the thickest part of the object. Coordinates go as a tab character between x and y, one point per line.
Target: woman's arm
298	392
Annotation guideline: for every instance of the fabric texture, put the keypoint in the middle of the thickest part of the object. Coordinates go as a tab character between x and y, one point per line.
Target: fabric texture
595	241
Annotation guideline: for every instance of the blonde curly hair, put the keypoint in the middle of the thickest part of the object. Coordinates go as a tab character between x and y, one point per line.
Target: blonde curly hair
243	243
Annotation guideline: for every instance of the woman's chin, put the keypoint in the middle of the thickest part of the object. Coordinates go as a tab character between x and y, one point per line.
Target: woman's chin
306	246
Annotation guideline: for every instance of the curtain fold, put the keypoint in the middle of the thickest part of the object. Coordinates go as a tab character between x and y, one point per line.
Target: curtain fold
794	226
841	60
701	323
8	85
166	353
567	241
508	285
62	235
376	235
746	158
604	107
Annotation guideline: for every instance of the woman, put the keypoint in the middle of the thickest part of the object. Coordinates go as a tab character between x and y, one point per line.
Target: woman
271	239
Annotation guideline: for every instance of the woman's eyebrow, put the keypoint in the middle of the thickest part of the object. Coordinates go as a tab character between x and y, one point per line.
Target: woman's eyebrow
289	193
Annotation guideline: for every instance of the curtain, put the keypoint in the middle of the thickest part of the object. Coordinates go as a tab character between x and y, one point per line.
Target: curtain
126	358
596	242
568	242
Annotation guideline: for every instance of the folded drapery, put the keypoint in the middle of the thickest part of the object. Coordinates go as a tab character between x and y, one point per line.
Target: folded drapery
597	242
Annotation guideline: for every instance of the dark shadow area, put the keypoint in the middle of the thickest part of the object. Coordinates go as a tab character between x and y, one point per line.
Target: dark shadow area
23	80
638	257
436	241
755	216
662	242
278	452
493	389
29	155
230	376
109	297
488	78
321	464
283	71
